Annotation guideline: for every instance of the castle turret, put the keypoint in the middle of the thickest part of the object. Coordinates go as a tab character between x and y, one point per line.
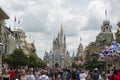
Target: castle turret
106	27
104	38
64	39
61	31
80	54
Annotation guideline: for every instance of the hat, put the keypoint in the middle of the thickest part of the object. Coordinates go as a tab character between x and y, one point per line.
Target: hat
82	71
96	69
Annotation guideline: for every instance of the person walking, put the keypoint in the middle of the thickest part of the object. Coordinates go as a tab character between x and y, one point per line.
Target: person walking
78	74
43	76
83	76
6	76
115	76
30	76
96	74
65	74
107	75
12	74
23	76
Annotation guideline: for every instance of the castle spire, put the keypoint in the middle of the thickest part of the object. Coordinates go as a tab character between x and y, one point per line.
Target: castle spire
64	38
61	31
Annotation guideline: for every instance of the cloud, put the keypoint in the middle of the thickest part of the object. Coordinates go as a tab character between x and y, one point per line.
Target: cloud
41	14
41	19
95	15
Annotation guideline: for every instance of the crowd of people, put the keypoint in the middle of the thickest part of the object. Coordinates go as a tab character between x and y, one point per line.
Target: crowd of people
60	74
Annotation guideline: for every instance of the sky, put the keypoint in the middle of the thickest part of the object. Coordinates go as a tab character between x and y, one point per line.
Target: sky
41	20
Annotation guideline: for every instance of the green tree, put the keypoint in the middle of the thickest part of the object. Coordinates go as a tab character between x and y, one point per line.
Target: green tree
93	63
8	60
41	64
73	65
17	58
32	61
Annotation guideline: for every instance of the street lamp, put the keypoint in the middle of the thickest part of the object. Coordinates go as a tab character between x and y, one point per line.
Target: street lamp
1	49
28	61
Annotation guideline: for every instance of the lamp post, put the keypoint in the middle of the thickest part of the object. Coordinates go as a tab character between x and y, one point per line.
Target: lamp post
1	49
28	61
53	61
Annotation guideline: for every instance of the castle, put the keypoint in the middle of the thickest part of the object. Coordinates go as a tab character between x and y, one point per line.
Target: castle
58	56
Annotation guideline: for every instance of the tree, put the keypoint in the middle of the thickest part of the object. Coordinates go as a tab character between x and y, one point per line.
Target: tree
32	61
73	65
17	58
92	63
41	64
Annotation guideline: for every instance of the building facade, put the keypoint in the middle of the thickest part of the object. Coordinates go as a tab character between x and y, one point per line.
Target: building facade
3	17
21	42
11	40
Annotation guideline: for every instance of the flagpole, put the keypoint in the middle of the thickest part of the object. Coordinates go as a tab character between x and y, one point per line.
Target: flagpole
18	24
106	13
14	25
14	22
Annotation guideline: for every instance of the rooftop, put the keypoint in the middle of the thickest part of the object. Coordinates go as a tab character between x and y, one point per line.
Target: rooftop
3	15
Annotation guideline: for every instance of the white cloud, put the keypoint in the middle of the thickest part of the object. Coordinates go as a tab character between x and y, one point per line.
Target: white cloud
97	9
41	19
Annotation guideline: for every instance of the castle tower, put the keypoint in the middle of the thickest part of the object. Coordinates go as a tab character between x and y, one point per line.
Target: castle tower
61	31
106	36
61	36
106	27
59	56
80	50
59	48
79	54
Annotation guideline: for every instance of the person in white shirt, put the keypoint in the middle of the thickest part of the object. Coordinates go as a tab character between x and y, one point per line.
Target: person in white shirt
83	76
43	76
30	76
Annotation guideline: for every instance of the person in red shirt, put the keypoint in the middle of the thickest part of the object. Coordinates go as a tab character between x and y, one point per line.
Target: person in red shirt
119	73
115	76
12	74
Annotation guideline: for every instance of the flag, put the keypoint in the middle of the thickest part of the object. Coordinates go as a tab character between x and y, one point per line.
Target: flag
106	13
19	21
15	19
